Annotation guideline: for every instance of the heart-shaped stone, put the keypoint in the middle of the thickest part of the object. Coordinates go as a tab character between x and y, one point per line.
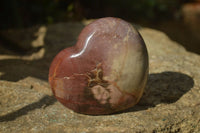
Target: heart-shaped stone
105	72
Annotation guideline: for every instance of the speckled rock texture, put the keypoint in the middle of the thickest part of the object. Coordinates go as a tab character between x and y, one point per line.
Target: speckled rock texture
171	100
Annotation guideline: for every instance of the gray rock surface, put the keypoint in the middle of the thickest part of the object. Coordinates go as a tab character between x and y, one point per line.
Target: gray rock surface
171	101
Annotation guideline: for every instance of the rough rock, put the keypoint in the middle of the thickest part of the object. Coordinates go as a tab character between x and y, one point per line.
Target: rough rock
171	101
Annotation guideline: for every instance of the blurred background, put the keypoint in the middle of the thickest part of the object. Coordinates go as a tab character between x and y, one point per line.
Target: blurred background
179	19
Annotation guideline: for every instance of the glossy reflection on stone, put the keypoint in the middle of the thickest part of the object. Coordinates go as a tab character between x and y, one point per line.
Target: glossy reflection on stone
105	72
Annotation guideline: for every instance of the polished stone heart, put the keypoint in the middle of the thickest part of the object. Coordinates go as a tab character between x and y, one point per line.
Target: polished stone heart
105	72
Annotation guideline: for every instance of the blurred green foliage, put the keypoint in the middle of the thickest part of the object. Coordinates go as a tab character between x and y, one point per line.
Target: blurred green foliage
24	13
134	9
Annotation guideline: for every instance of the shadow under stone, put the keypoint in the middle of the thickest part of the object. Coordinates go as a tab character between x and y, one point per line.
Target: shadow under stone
166	87
42	103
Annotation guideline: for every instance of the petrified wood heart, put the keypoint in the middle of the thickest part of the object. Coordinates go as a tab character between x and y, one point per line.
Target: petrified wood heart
105	72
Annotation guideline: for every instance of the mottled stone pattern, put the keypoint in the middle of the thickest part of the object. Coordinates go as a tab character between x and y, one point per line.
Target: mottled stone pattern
170	102
106	71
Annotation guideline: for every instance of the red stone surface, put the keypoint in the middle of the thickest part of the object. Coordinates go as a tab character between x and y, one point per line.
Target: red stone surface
105	72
